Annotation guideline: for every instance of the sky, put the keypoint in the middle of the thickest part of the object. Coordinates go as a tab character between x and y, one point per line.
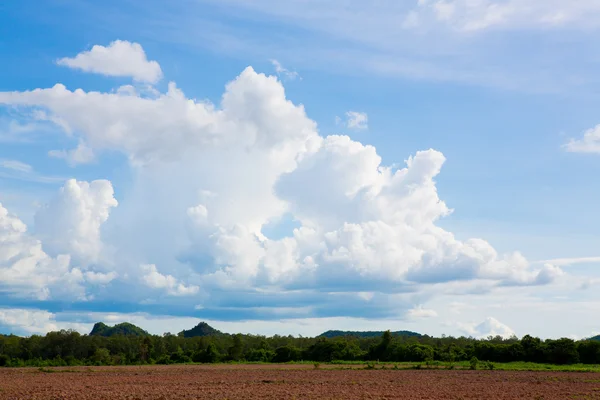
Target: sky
292	167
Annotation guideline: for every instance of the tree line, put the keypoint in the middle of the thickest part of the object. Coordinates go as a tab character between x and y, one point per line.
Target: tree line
70	348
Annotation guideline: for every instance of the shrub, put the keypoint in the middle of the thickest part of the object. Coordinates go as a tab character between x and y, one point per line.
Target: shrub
4	360
164	359
473	363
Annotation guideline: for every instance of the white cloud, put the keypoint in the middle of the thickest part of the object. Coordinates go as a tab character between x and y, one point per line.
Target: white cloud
564	262
588	283
119	58
357	120
39	321
14	132
463	15
489	327
208	178
420	312
82	154
71	222
99	278
155	280
461	41
16	165
590	143
366	296
470	15
27	271
354	120
281	71
31	321
17	170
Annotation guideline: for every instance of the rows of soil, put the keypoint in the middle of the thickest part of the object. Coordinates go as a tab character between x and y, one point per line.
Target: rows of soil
289	382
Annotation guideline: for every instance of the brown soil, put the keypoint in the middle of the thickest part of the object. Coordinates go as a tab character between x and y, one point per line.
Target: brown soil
289	382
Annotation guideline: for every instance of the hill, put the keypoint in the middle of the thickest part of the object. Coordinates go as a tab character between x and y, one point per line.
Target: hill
124	329
202	329
367	334
595	338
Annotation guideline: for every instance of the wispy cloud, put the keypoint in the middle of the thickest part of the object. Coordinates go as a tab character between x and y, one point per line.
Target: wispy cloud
13	132
82	154
565	262
16	165
451	40
354	120
284	72
17	170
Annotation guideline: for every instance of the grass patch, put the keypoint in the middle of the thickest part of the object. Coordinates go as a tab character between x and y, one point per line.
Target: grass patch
54	371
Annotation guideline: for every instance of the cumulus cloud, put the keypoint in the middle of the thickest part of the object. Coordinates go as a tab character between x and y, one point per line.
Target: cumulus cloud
26	270
71	222
208	178
155	280
119	58
589	143
27	321
488	327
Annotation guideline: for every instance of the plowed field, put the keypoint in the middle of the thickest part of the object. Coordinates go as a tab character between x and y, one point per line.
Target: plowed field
289	382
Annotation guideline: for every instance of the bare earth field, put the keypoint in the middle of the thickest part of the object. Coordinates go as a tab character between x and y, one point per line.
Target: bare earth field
289	382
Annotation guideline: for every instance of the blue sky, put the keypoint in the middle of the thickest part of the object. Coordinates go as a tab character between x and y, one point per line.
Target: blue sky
245	162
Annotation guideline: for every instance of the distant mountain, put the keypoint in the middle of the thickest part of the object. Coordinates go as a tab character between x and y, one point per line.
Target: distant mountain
202	329
369	334
595	338
124	329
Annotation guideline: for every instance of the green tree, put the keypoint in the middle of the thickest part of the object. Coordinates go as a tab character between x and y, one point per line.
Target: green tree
210	354
237	349
101	356
562	351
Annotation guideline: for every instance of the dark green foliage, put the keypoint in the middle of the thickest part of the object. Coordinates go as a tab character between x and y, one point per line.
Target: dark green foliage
367	334
589	351
69	348
489	365
561	352
165	359
327	350
202	329
4	360
260	355
473	362
209	355
287	354
597	338
237	349
101	356
124	329
533	349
